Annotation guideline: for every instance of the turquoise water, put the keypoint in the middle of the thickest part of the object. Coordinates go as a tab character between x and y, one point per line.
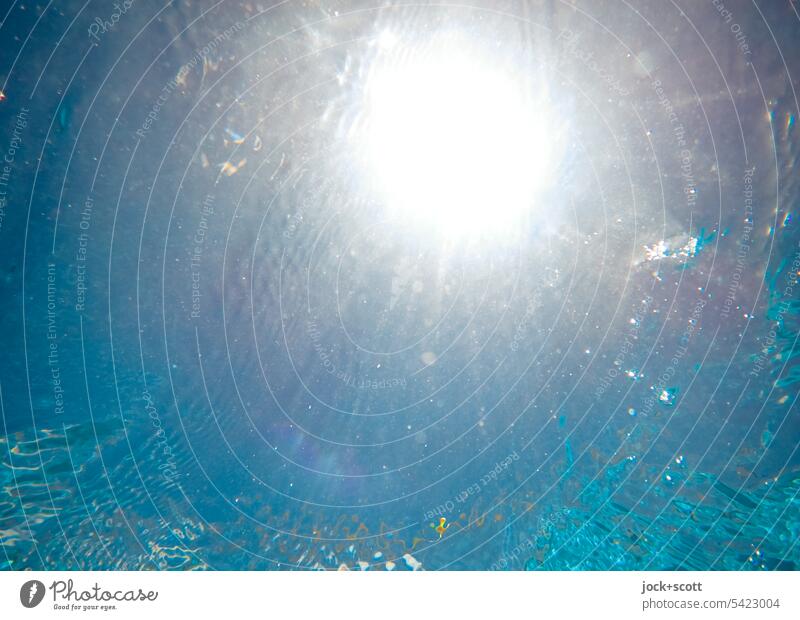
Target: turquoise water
222	349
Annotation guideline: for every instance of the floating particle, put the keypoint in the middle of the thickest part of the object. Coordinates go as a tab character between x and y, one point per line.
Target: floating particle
378	555
633	373
211	66
2	96
442	527
783	399
390	565
631	412
180	77
675	248
428	358
667	396
679	460
208	67
204	160
235	138
656	252
229	169
412	562
257	144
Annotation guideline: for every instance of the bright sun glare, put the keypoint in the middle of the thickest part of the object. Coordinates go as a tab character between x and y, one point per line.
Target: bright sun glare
453	140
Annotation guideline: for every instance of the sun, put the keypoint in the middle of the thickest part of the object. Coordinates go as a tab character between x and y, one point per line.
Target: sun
454	139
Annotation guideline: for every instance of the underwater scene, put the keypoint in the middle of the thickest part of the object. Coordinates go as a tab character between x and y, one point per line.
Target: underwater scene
364	285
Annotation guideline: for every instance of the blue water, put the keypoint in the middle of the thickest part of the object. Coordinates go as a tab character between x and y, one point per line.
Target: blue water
220	350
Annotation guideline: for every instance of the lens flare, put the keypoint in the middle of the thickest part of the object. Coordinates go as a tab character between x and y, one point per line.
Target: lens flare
455	141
